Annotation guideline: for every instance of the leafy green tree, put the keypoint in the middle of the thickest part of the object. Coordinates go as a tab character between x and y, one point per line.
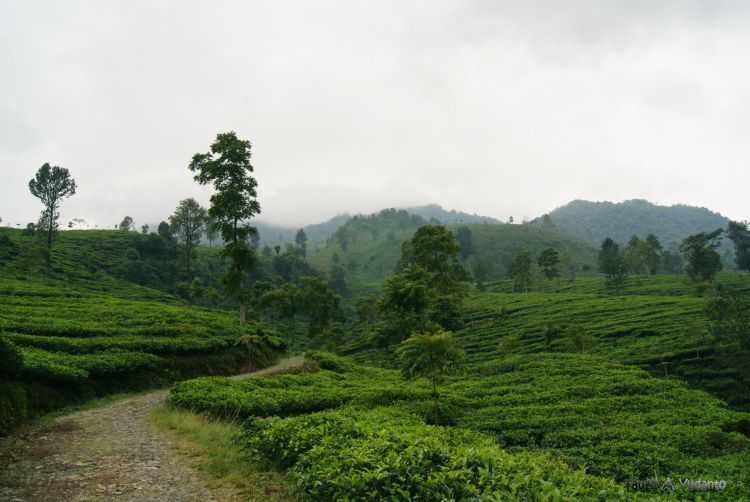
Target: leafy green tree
406	302
164	231
227	166
548	262
144	229
703	262
300	239
643	256
127	224
434	249
337	279
463	237
738	233
266	251
520	271
320	304
612	265
187	224
255	240
432	356
652	256
51	185
210	230
277	248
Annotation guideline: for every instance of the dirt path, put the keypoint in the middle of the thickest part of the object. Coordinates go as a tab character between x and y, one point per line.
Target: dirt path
108	453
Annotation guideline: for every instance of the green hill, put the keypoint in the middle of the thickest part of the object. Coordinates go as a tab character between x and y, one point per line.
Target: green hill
369	247
83	331
656	324
318	233
595	221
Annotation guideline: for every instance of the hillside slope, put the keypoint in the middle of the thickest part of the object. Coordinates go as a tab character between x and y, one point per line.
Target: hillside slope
82	332
595	221
369	247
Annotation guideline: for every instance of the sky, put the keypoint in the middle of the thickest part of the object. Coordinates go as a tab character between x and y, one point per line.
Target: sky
492	107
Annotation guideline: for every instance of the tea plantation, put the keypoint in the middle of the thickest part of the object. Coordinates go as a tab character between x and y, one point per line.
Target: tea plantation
66	343
517	428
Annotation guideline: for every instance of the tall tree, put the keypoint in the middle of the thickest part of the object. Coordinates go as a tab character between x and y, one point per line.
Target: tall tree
227	166
127	224
187	223
210	231
144	229
301	240
548	262
463	237
520	271
51	185
434	249
612	264
703	262
738	232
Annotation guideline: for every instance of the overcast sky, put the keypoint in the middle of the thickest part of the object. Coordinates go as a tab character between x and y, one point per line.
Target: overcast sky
499	108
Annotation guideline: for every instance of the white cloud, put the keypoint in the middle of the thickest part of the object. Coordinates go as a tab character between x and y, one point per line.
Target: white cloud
497	108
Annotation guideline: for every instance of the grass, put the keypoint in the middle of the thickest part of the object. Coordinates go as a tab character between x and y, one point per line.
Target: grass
212	448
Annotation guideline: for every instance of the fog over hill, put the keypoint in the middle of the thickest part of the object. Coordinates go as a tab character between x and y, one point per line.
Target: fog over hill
595	221
272	233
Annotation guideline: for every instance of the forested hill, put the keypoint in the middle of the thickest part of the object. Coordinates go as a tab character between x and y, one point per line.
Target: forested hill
367	248
595	221
319	232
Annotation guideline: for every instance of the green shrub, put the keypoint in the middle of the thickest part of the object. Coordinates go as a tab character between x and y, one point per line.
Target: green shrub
10	360
385	454
328	361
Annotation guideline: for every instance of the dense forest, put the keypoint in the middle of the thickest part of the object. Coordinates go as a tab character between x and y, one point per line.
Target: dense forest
595	221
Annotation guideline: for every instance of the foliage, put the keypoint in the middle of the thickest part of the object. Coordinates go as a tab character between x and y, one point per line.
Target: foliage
582	410
463	238
385	454
738	233
578	338
703	262
127	224
51	185
520	271
431	356
374	247
595	221
227	167
10	360
643	256
548	262
729	315
187	223
612	264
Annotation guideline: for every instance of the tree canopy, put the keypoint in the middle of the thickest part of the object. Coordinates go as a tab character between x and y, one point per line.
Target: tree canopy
51	185
227	167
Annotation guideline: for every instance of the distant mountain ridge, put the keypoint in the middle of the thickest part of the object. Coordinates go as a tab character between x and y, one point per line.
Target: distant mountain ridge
320	232
595	221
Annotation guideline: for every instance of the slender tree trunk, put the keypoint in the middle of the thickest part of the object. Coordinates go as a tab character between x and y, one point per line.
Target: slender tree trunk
188	250
50	212
242	312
